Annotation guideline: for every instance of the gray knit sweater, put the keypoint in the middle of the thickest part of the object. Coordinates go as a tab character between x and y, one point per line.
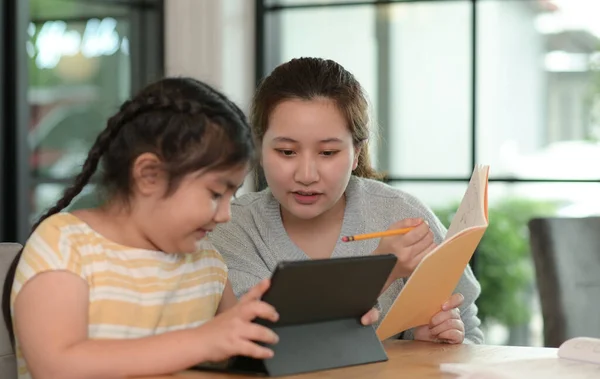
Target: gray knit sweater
255	240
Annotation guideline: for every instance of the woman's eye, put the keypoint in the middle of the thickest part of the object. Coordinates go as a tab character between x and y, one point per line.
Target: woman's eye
216	195
286	153
329	153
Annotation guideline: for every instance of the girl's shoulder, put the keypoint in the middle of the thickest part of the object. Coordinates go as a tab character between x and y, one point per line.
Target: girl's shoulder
60	227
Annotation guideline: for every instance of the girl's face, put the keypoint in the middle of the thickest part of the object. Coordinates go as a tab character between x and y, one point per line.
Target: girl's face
201	201
308	156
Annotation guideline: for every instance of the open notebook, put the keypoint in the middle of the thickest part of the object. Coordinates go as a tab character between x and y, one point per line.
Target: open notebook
438	274
577	358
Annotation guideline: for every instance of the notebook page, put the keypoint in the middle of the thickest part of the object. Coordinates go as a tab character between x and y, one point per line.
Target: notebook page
471	210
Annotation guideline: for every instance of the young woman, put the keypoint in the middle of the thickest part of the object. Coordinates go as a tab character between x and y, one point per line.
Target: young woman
310	119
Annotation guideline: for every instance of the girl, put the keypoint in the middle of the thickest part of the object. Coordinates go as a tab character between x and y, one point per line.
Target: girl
310	119
128	289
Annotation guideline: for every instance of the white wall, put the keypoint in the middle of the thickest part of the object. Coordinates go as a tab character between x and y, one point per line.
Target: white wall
213	41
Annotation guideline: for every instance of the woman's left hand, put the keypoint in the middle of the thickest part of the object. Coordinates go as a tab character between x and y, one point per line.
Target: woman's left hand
370	317
446	326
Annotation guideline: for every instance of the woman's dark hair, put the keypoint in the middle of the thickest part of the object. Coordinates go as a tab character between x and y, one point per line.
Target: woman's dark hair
189	125
313	78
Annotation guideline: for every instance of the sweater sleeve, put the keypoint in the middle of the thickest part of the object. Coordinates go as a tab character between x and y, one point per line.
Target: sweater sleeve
246	267
468	285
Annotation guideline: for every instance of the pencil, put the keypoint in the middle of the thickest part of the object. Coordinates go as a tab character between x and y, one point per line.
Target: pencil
388	233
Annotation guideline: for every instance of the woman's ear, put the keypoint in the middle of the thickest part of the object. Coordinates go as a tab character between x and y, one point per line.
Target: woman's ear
148	176
357	151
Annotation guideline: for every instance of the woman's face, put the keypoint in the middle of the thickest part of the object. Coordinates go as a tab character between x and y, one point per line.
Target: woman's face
308	156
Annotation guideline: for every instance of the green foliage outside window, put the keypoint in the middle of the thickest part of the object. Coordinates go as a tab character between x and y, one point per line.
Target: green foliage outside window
504	266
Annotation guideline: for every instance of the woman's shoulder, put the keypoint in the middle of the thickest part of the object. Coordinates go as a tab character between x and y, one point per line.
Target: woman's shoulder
376	191
250	200
253	207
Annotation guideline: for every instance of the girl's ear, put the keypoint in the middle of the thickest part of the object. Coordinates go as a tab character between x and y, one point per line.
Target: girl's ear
148	176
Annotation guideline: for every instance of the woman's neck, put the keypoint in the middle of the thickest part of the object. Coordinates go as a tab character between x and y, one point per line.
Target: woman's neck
333	217
318	236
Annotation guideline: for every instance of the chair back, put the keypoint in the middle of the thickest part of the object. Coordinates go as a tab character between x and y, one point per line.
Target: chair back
566	254
8	363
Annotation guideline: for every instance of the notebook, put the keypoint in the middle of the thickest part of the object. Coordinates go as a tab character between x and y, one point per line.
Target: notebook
437	275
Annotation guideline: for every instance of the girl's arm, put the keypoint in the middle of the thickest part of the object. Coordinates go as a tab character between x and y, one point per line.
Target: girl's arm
51	323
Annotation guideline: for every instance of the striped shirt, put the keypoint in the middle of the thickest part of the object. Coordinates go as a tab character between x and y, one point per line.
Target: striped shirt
132	292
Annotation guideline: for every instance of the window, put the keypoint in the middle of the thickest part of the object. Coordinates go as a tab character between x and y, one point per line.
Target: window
510	83
82	60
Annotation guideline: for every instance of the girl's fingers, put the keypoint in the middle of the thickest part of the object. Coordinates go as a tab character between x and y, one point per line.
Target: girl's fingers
250	349
256	292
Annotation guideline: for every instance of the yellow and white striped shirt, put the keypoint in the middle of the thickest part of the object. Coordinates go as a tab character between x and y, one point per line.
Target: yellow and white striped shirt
132	292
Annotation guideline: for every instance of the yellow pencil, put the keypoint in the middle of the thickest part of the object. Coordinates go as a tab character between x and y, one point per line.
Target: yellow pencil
387	233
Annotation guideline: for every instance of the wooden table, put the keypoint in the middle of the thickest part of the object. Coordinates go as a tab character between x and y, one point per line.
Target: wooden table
407	359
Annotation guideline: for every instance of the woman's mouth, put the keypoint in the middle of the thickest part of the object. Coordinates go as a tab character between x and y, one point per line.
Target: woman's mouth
306	197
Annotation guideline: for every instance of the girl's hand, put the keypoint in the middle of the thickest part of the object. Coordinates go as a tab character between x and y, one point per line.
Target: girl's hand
409	248
233	332
446	326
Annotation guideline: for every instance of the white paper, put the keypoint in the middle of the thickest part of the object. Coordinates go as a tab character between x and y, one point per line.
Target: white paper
541	368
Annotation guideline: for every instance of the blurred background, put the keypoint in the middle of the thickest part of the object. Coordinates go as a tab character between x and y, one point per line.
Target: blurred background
510	83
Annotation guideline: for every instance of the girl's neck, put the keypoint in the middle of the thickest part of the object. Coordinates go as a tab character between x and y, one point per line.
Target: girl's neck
113	220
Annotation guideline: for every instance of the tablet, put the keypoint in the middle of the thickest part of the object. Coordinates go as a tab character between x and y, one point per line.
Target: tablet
320	304
327	289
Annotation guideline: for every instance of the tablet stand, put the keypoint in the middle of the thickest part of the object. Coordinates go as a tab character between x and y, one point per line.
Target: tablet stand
316	346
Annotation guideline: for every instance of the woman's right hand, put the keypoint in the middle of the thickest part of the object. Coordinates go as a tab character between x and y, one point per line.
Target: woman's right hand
233	332
409	248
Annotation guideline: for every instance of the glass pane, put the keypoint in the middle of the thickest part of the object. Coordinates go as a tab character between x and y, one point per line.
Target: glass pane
79	73
430	89
46	195
503	264
346	35
429	79
57	9
310	2
539	88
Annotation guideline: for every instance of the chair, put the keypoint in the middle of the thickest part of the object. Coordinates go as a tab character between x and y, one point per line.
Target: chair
8	363
566	254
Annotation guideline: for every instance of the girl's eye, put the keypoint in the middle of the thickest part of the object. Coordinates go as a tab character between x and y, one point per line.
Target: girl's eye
285	153
216	195
329	153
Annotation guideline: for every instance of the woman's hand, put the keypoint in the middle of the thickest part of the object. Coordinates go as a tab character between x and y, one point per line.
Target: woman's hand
446	326
409	248
370	317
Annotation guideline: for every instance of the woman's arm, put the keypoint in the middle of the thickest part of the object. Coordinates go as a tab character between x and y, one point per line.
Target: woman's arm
245	265
51	320
468	285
